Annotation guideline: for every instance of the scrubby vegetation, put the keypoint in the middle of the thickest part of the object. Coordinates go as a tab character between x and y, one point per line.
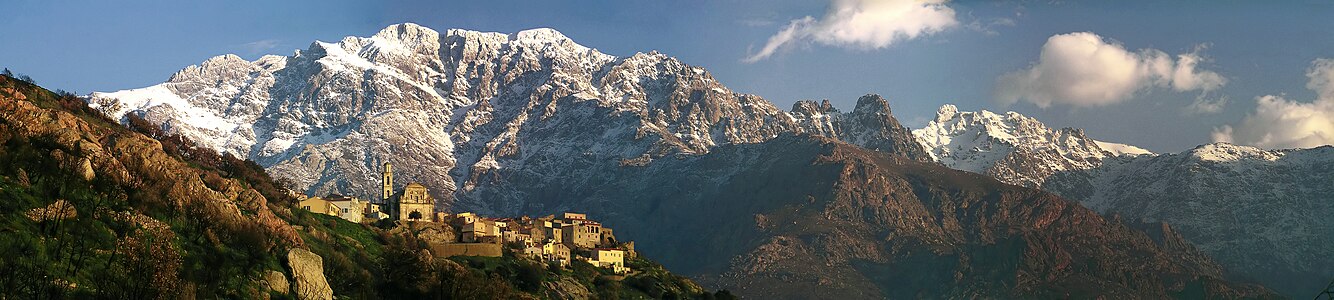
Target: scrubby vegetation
66	234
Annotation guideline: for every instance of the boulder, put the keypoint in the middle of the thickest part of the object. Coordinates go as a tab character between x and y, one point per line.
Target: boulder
85	169
59	210
567	288
277	282
308	275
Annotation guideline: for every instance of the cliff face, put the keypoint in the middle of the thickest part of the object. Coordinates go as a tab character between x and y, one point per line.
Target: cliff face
808	217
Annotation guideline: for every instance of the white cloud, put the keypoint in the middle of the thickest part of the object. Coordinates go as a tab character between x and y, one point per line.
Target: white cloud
863	24
1281	123
1084	69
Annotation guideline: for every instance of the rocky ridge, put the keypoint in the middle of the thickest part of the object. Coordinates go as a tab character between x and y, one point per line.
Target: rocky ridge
801	216
1012	147
1257	212
469	112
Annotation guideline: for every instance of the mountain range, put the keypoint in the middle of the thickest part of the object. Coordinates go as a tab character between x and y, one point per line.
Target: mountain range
744	195
463	111
1262	214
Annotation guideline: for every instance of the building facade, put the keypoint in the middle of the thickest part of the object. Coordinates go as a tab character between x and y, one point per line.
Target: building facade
413	203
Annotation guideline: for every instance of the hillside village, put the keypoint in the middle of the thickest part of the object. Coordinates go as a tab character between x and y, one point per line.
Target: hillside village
557	240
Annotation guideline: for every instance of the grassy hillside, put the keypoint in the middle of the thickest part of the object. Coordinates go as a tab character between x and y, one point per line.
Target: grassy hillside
93	209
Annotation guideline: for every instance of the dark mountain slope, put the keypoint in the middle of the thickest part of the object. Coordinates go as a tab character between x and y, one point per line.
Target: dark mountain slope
808	217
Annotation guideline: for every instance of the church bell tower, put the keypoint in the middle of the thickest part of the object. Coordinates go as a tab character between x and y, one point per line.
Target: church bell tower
388	182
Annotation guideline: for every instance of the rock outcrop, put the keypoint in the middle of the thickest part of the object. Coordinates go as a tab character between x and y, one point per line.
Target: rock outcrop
308	280
277	282
59	210
871	125
136	197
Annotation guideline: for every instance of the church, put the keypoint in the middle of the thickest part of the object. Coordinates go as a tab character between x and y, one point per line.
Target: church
412	203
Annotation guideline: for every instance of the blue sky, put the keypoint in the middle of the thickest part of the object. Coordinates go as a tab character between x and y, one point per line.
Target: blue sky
1257	49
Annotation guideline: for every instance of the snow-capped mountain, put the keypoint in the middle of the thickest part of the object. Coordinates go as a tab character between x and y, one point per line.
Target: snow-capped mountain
468	113
534	123
1012	147
871	124
1262	214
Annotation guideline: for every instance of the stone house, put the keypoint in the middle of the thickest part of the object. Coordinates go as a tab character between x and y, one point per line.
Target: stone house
552	231
556	252
464	218
481	231
606	237
320	206
584	235
533	251
349	208
510	236
610	258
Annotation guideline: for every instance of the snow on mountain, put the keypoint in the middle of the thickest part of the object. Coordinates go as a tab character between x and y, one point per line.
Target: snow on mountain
1012	147
469	114
1121	149
871	124
1260	213
525	123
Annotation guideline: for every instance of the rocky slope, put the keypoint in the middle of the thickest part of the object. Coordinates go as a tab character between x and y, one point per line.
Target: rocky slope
1260	213
94	210
808	217
464	111
871	124
1013	148
131	221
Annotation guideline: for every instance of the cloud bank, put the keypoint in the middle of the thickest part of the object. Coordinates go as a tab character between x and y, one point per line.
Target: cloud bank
863	24
1085	69
1279	123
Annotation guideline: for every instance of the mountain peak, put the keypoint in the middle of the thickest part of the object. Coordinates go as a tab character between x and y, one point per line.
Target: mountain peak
545	41
810	107
410	33
872	102
1226	152
541	35
1015	148
946	112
